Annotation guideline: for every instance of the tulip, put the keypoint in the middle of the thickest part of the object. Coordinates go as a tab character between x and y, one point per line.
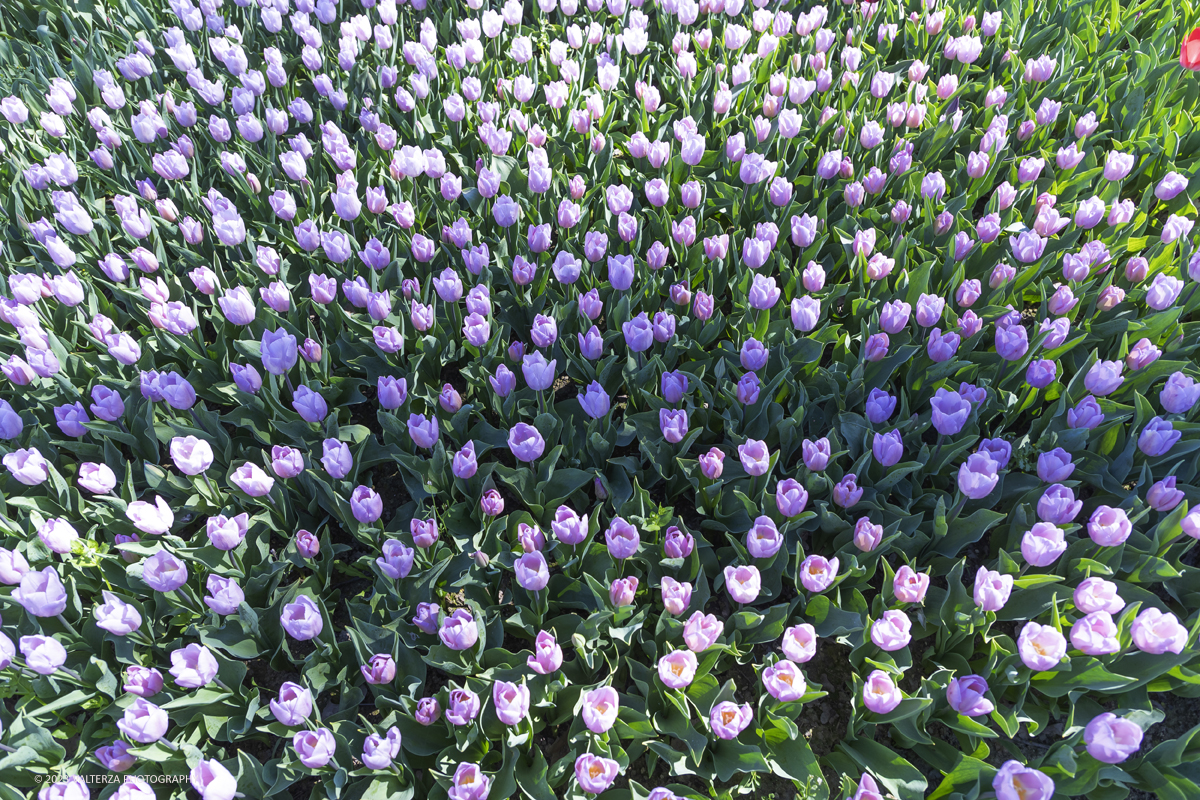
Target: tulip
459	631
302	619
880	693
966	696
1157	632
1095	634
1111	739
595	773
1014	780
891	631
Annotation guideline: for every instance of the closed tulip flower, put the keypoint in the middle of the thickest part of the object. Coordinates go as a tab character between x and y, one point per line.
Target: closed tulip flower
459	630
1058	505
163	572
1043	544
143	722
532	572
192	456
966	696
888	448
293	706
116	757
892	631
511	701
910	586
992	589
978	476
1163	496
600	707
847	492
867	536
224	596
302	619
675	595
380	669
314	749
28	466
1156	439
116	616
1179	394
193	667
950	412
143	681
547	654
43	654
252	480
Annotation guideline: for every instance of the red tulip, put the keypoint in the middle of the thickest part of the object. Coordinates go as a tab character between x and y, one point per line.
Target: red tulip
1189	53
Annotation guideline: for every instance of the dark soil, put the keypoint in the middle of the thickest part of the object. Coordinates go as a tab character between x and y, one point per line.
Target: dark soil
388	482
823	722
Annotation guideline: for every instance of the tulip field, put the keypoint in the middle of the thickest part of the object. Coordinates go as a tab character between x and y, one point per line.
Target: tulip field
632	399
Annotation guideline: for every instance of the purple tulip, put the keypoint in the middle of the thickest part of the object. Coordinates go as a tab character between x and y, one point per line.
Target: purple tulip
547	654
143	681
193	667
1097	594
459	630
1042	647
847	492
622	539
966	696
302	619
1157	632
992	589
743	582
1095	634
1109	527
143	722
600	707
755	457
314	749
380	669
880	693
595	773
1015	781
1111	739
1156	439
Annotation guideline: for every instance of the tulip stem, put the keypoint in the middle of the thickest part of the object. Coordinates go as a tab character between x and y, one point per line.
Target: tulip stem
221	683
937	448
5	748
196	419
68	626
141	639
169	745
953	515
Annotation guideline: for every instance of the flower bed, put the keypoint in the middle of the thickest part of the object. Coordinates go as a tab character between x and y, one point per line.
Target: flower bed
572	398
